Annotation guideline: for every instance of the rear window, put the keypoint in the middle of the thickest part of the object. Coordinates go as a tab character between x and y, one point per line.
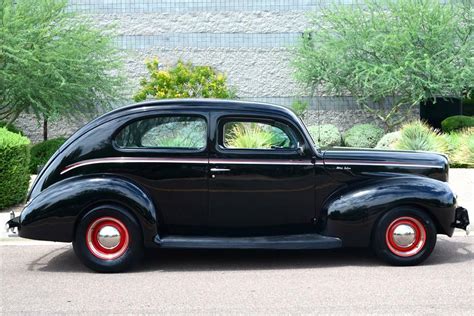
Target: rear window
182	132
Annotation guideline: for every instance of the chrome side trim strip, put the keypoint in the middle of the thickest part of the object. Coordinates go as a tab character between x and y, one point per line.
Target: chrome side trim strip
378	164
182	160
132	160
241	162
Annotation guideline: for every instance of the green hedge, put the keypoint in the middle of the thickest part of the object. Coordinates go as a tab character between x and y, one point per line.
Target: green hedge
328	135
363	136
14	160
457	122
10	127
41	152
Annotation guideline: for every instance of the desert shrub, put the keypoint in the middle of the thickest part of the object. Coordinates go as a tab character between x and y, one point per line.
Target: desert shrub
363	136
460	148
326	135
388	140
14	160
420	136
249	136
41	152
457	122
11	128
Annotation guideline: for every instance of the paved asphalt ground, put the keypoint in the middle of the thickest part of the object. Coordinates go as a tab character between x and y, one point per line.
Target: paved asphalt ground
47	278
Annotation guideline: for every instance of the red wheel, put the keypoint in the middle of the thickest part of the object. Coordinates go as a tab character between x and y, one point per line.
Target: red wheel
107	238
405	236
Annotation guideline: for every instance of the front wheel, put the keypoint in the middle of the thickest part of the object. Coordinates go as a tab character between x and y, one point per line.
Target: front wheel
404	237
108	239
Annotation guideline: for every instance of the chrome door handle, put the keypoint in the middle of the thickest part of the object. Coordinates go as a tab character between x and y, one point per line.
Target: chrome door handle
219	169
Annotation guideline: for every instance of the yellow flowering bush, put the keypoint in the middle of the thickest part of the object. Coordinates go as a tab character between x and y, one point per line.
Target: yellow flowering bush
183	80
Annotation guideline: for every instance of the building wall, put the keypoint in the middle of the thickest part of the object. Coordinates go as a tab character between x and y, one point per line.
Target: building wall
249	40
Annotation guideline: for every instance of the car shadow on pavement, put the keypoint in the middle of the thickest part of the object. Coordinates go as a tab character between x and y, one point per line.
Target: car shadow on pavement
171	260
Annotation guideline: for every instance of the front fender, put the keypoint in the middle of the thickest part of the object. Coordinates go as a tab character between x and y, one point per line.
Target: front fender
52	215
351	213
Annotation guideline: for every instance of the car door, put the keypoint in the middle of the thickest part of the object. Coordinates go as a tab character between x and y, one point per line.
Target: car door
169	155
261	176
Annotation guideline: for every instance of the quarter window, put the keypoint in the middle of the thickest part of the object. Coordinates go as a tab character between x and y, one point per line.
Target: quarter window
247	134
185	132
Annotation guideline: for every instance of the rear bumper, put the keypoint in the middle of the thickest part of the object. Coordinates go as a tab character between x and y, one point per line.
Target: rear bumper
461	219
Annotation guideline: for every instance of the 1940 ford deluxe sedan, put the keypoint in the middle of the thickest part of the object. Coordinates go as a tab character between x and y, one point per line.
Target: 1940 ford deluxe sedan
230	174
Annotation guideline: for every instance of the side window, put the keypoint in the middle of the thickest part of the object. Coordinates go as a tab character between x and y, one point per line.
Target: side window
254	134
185	132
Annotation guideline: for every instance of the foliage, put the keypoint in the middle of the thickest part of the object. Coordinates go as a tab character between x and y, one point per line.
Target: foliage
326	135
14	175
457	122
183	80
300	108
388	140
180	134
363	136
460	148
177	142
404	51
10	127
420	136
53	62
249	135
468	105
41	152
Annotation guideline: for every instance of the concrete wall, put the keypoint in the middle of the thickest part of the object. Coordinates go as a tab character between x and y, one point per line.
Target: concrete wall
249	40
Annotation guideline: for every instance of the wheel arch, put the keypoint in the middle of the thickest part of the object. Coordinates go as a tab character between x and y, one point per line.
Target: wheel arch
352	213
54	213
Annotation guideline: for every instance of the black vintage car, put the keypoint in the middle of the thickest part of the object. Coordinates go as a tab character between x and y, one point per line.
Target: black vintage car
229	174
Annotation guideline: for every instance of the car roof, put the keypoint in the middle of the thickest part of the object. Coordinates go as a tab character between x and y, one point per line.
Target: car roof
213	104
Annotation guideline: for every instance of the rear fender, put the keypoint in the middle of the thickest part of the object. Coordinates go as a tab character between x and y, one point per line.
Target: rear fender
53	214
351	213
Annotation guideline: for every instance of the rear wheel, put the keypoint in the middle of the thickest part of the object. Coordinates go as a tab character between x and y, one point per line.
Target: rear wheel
404	237
108	239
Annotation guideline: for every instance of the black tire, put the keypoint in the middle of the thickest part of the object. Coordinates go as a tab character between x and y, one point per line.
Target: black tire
128	251
385	245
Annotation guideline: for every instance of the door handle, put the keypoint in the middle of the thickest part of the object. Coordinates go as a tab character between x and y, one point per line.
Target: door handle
219	169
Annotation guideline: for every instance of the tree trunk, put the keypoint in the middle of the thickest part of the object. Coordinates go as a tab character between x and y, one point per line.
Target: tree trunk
45	128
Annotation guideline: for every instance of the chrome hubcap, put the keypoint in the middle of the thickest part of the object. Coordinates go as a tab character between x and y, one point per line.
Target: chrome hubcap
108	237
404	235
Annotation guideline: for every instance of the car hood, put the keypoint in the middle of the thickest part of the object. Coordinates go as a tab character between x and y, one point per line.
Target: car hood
429	164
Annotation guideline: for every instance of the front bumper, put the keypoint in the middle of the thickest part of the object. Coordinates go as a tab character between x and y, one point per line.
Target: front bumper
461	219
13	225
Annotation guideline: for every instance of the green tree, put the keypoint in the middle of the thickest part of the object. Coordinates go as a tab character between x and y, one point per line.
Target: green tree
183	80
301	108
406	51
54	63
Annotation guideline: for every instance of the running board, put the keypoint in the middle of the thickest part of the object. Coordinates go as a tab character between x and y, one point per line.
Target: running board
304	241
